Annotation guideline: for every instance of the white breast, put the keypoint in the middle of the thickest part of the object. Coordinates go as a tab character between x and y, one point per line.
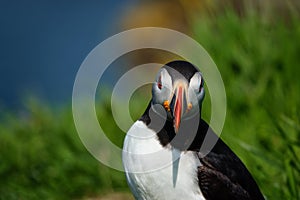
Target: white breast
150	172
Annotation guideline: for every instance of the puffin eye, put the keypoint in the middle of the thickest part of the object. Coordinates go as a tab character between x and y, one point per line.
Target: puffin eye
163	81
159	84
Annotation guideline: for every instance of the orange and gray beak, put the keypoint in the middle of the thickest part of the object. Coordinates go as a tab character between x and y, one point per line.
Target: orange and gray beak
178	105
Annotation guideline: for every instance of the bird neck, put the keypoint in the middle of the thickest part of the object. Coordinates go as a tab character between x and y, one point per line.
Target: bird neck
189	137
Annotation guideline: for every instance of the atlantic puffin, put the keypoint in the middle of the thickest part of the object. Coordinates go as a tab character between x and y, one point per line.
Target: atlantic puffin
162	154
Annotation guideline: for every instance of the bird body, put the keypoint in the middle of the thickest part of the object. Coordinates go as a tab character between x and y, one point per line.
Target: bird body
142	184
163	155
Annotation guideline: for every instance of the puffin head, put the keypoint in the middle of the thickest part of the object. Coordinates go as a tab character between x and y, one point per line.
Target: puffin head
179	88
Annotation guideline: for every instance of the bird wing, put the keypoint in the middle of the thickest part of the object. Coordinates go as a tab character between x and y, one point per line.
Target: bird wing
215	185
222	175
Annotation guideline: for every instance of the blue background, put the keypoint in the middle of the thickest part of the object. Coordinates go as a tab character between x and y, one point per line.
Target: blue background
44	42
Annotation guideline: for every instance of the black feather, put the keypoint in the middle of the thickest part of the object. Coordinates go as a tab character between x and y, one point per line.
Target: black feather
222	173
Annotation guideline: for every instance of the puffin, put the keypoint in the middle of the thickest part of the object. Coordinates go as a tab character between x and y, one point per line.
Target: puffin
164	153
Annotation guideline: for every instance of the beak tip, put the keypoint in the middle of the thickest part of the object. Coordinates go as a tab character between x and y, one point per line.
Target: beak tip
176	124
176	129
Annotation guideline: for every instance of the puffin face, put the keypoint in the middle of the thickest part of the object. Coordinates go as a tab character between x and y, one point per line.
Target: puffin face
180	94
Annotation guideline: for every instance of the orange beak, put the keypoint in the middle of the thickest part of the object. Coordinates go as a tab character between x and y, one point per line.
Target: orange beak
179	104
178	109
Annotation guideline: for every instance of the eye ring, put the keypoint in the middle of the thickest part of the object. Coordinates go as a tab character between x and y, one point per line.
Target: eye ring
159	84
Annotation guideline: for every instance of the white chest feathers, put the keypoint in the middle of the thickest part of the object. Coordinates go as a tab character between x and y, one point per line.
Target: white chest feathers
157	172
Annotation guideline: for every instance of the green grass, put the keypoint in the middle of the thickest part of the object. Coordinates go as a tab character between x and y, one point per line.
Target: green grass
259	63
42	157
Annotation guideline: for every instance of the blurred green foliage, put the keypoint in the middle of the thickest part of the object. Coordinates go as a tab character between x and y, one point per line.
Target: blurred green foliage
41	155
259	63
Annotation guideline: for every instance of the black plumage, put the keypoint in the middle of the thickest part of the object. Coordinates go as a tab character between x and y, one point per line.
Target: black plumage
222	174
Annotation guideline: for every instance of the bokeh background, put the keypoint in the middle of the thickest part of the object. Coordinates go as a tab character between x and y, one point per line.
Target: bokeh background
255	44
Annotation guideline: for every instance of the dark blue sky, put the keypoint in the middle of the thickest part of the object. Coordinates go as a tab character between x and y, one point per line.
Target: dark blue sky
42	44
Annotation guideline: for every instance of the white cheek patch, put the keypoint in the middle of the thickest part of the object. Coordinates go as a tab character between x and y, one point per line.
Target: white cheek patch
195	81
163	93
166	80
195	94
